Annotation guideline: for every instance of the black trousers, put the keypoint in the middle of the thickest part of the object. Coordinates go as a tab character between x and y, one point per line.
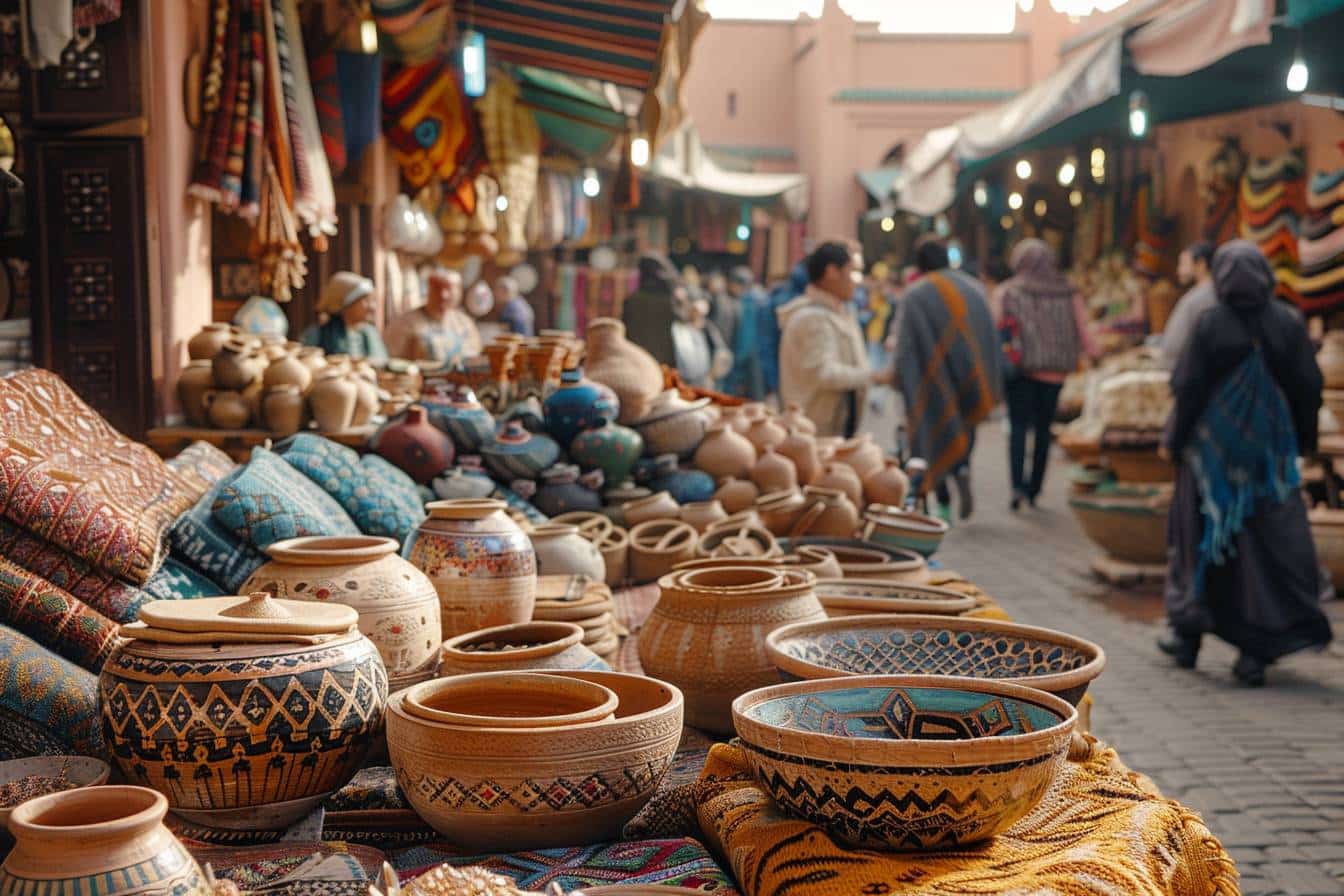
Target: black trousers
941	491
1031	410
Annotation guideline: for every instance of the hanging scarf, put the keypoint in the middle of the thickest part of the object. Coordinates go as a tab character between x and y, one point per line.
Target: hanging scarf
433	130
1244	452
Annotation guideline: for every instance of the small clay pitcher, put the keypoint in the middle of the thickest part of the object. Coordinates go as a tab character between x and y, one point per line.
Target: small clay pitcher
795	418
888	485
725	452
282	409
774	472
227	409
766	433
801	448
196	379
736	494
862	454
829	512
842	476
415	445
235	365
208	341
332	400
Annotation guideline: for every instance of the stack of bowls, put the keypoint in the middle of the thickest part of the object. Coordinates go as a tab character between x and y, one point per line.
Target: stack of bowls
584	602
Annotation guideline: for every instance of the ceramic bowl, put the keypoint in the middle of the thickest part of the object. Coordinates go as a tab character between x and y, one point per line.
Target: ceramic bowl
905	763
895	528
856	597
77	771
523	646
865	560
509	700
1040	658
507	789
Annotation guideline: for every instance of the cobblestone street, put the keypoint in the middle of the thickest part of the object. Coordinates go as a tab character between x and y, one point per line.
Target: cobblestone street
1262	766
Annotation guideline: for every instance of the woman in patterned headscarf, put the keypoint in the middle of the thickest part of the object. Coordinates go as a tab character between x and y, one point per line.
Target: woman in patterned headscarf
347	303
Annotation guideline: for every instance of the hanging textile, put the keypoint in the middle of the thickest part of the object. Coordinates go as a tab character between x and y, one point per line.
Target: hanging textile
432	130
327	96
315	203
513	145
412	32
92	13
47	26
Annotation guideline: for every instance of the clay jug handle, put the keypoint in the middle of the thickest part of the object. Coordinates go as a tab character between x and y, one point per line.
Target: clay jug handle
808	519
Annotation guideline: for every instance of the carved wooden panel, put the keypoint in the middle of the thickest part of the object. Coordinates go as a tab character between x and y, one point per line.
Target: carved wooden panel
98	78
86	197
83	63
89	289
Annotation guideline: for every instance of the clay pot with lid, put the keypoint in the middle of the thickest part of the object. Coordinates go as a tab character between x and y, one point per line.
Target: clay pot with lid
76	841
332	400
842	476
888	485
801	448
480	561
275	703
415	445
397	605
725	452
196	379
862	455
736	494
282	410
707	634
562	551
208	340
628	370
521	647
773	472
766	433
227	409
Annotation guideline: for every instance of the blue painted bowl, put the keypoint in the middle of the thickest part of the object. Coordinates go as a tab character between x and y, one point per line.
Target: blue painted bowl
892	527
905	763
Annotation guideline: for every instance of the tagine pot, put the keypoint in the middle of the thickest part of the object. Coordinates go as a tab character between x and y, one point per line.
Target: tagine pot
562	551
725	452
99	840
515	453
415	445
578	403
608	447
479	560
196	379
521	647
397	605
207	342
246	712
628	370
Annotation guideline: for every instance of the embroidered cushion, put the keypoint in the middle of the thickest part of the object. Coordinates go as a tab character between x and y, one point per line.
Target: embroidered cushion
47	704
211	549
379	498
177	581
267	500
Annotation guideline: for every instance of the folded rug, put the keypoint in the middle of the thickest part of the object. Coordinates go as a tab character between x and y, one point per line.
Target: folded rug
267	500
200	465
116	599
54	618
47	705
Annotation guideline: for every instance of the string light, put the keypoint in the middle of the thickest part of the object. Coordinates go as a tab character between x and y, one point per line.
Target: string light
1014	201
473	63
1076	198
888	224
1006	222
743	231
501	203
981	194
1138	114
368	37
1068	171
1023	169
1040	208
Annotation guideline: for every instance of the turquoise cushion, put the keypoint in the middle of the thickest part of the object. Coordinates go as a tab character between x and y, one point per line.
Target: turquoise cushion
267	500
379	497
209	548
47	704
177	581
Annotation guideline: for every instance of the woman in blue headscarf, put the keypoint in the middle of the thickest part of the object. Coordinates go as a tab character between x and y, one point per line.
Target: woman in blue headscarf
1247	390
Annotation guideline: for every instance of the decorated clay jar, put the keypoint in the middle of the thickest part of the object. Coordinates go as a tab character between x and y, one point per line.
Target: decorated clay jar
725	452
562	551
608	447
397	605
801	448
563	490
523	647
774	472
245	712
463	418
479	560
196	379
736	495
208	341
578	404
674	425
415	445
766	433
332	400
515	453
631	372
99	840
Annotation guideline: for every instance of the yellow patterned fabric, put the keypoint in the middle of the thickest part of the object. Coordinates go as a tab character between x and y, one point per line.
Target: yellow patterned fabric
1100	829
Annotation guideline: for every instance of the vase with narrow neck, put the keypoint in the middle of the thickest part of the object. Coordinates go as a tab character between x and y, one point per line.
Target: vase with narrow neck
631	372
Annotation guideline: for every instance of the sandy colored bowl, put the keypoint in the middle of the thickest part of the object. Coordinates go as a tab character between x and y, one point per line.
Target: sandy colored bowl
509	700
78	771
856	597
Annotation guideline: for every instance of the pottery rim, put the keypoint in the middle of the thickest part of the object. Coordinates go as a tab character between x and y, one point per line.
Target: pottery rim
464	508
740	582
325	550
664	413
599	703
555	530
914	752
117	811
80	772
938	601
533	639
1054	682
895	518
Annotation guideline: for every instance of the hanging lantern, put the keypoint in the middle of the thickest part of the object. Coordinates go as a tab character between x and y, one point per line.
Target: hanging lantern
1138	115
473	63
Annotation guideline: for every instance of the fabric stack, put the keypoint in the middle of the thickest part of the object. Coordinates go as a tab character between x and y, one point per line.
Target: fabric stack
1319	285
1219	188
1271	202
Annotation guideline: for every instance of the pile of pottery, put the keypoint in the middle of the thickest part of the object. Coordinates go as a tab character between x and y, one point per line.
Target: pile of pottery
515	368
1128	521
1331	361
585	602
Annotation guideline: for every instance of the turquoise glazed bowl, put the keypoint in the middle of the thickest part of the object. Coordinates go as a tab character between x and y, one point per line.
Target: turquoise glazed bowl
900	644
905	763
892	527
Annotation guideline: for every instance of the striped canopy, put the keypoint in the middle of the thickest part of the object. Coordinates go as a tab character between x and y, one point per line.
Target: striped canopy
610	40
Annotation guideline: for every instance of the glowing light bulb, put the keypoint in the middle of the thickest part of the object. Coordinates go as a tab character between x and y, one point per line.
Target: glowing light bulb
1138	114
1023	169
1040	208
743	231
1014	201
981	194
501	203
591	185
888	224
1298	75
1068	171
1006	222
639	152
473	63
1076	198
368	37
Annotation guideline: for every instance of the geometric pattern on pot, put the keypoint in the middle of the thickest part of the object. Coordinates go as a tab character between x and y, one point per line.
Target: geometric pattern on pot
933	645
558	794
235	730
876	596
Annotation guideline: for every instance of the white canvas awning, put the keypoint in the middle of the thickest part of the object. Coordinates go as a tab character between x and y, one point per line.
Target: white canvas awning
1197	34
683	160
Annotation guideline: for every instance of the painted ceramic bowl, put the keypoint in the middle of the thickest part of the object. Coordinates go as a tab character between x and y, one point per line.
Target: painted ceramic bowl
506	789
938	645
895	528
905	762
856	597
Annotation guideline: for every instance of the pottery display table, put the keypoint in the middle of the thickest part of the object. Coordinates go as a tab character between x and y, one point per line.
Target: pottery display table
169	441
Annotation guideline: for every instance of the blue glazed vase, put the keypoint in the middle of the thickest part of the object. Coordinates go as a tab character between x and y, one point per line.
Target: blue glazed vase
262	316
462	417
578	404
687	486
515	453
609	447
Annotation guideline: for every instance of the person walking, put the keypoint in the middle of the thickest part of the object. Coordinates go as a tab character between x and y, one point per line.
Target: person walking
748	309
1242	564
1195	275
1044	322
822	357
654	306
947	369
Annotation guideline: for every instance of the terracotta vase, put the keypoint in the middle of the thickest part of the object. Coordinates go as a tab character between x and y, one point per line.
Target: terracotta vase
703	514
578	403
313	358
673	425
235	366
796	418
332	400
627	369
94	840
227	410
415	445
841	476
735	416
706	634
562	551
397	605
888	485
736	494
366	401
208	341
287	370
801	448
862	454
659	506
725	452
608	447
766	433
479	560
774	472
282	410
829	512
523	647
275	703
196	379
1331	359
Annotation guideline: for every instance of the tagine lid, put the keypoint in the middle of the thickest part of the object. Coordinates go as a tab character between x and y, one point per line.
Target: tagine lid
249	618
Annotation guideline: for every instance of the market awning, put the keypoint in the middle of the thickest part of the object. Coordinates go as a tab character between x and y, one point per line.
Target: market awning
684	161
580	120
1197	34
877	182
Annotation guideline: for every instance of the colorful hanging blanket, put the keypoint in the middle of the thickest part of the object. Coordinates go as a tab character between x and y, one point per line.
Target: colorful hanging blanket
47	705
433	131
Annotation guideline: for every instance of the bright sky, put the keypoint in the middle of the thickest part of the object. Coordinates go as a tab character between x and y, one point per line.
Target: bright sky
909	16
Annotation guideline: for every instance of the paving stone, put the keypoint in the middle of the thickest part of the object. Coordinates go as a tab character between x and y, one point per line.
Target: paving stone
1302	879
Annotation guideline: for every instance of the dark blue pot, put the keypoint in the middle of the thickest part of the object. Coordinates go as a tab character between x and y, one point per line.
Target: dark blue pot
687	486
578	404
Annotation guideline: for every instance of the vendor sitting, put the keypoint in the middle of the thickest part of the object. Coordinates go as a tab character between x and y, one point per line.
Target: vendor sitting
439	333
347	304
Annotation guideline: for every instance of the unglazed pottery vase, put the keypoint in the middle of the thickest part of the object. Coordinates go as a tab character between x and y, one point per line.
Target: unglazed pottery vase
780	510
235	366
562	551
725	452
521	647
706	634
227	410
196	379
1331	359
842	476
766	433
99	840
674	425
480	787
287	370
735	416
794	417
397	605
208	341
578	404
366	400
774	472
479	560
332	400
861	454
801	448
829	512
608	447
282	410
889	485
703	514
985	753
515	453
415	445
244	711
624	367
736	494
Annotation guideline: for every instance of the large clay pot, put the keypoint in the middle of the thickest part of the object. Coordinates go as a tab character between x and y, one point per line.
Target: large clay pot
578	404
801	448
766	433
208	341
562	551
244	711
227	410
685	486
479	560
415	445
397	605
282	410
608	447
462	417
332	400
706	634
862	454
366	400
196	379
888	485
674	425
842	476
236	366
736	495
99	840
703	514
288	370
515	453
524	647
725	452
774	472
795	417
1331	359
627	369
829	512
562	490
